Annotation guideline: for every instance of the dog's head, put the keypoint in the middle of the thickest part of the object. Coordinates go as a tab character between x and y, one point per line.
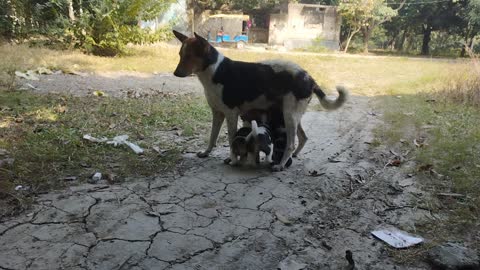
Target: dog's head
195	55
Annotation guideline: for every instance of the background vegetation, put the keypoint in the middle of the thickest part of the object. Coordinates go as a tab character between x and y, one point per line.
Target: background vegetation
102	27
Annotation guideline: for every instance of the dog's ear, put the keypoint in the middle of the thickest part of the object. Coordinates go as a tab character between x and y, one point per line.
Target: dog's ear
202	40
180	36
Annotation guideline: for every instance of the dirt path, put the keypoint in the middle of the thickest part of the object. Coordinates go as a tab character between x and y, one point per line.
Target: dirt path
116	84
213	216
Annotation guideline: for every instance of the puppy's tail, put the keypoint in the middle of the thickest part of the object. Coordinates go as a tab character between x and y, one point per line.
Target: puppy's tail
328	103
254	128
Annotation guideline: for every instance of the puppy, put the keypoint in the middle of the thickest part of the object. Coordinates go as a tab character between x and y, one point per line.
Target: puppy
250	141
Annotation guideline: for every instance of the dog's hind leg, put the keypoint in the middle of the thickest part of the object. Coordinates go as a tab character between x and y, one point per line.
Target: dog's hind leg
217	121
302	139
291	124
293	111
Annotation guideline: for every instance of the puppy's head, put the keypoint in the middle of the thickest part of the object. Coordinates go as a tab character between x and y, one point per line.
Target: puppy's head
240	146
194	54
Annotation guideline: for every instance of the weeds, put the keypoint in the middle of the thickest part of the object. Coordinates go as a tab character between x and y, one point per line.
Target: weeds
464	86
43	134
451	133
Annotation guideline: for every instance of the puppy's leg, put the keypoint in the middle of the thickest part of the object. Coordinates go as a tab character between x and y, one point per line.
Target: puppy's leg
251	160
269	156
217	121
232	124
302	139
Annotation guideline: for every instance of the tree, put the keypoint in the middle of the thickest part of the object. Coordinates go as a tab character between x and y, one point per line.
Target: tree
471	23
354	14
380	13
365	15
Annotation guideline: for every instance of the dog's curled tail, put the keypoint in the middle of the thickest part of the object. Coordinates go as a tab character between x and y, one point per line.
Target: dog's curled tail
331	104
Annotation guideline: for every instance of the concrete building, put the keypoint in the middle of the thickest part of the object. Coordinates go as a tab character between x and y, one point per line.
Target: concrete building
300	24
288	24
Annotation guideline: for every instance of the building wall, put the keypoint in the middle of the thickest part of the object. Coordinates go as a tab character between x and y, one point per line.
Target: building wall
302	23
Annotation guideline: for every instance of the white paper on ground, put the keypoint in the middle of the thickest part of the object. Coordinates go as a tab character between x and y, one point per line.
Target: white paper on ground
117	140
397	238
93	139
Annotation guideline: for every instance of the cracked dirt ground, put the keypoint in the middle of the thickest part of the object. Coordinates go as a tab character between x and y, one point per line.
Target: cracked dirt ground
213	216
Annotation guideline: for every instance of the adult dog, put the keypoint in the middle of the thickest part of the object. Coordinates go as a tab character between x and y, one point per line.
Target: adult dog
234	87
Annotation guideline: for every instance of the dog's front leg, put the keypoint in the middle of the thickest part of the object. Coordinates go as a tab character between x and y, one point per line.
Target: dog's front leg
232	124
217	122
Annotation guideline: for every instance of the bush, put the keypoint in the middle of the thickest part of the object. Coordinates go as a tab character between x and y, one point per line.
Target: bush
101	27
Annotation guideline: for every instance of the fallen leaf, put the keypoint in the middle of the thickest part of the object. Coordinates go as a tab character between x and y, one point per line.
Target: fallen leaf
436	174
70	178
452	195
283	219
43	70
315	173
425	167
99	93
394	162
405	182
61	109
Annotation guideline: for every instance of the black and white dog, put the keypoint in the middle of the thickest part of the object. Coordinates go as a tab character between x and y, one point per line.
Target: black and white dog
234	87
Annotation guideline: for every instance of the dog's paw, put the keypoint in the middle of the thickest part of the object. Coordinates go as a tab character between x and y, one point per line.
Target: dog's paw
227	161
277	168
203	154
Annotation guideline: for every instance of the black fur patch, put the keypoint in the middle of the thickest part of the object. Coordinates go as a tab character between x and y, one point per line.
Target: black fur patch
243	82
210	58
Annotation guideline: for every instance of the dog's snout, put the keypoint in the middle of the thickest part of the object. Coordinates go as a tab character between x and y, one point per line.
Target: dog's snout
180	73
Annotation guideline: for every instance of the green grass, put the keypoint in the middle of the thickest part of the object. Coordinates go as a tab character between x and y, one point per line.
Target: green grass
43	133
452	135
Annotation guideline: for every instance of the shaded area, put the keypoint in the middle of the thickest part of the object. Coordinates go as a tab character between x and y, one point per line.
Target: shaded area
212	216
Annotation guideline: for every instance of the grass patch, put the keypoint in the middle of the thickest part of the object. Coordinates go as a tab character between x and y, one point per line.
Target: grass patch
451	132
363	75
43	134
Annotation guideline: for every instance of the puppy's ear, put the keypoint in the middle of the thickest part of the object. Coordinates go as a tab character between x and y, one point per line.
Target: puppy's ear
180	36
202	40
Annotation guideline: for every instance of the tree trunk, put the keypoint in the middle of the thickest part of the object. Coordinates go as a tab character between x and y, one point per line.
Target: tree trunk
367	33
71	14
427	32
350	36
467	38
403	40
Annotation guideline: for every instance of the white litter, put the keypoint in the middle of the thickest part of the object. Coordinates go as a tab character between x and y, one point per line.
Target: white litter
97	177
290	264
122	139
397	238
88	137
43	70
19	187
29	75
117	140
406	182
